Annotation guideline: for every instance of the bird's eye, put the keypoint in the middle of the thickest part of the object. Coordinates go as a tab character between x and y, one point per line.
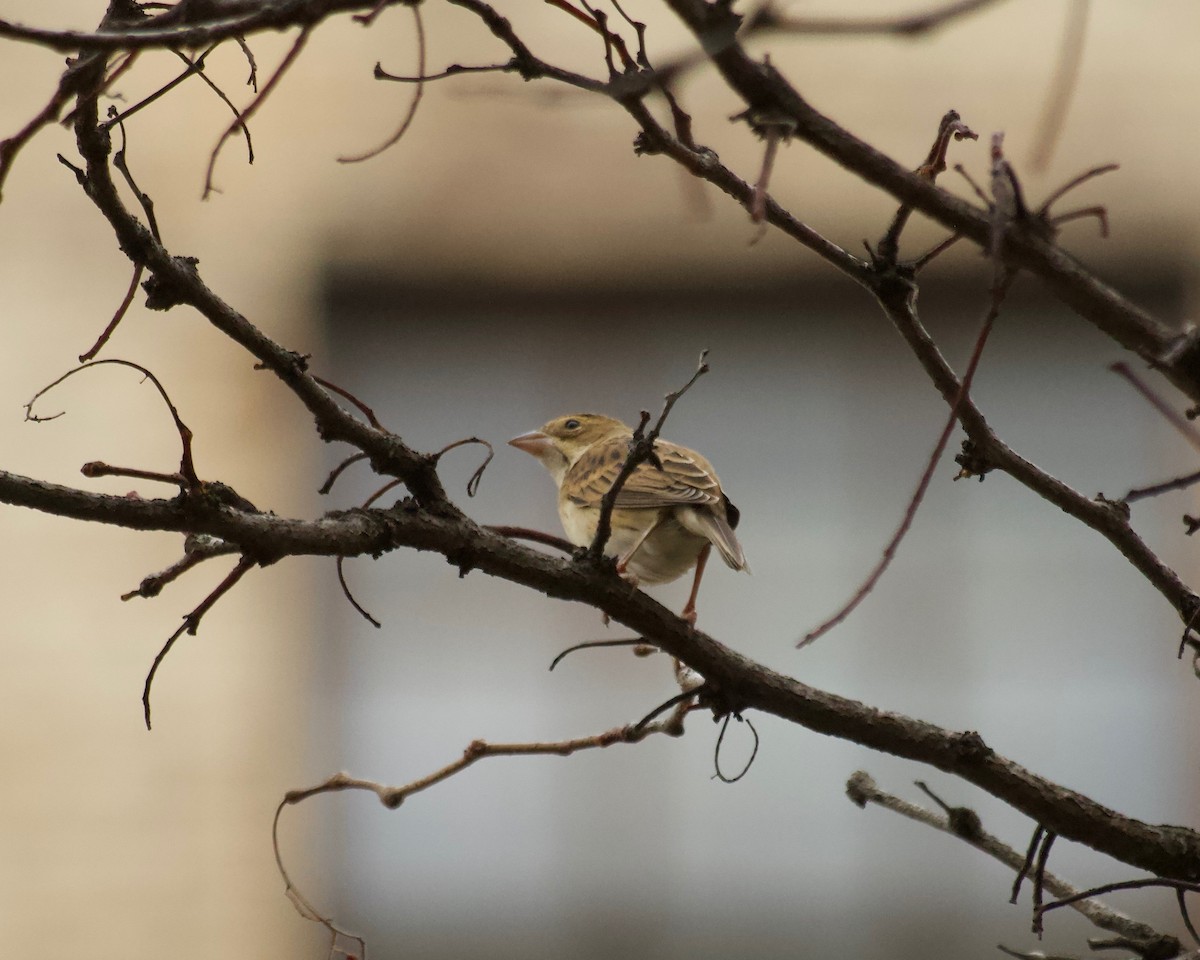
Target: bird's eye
571	424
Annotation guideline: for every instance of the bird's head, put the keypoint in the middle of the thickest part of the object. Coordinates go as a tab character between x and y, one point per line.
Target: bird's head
563	440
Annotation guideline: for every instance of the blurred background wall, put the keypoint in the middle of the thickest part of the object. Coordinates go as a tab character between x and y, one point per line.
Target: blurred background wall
510	260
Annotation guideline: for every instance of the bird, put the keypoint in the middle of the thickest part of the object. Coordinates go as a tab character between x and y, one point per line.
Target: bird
668	514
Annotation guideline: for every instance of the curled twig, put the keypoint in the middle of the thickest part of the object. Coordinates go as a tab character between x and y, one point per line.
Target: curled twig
187	468
718	774
473	482
416	100
339	563
338	471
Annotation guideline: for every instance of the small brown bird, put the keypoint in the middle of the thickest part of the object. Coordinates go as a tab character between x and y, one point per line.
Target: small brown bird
663	522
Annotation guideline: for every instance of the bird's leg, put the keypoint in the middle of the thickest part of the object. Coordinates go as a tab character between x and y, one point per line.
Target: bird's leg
689	610
623	570
627	556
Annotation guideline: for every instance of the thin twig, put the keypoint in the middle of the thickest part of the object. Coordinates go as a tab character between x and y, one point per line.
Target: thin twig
1172	416
187	468
1034	843
193	66
719	774
416	100
1062	86
393	797
196	549
534	536
594	644
454	70
339	564
191	624
477	476
641	451
338	471
889	552
117	317
244	119
1179	483
1039	879
950	128
347	395
238	118
862	790
905	25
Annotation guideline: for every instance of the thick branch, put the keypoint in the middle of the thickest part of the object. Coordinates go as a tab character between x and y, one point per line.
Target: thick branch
1168	851
174	28
766	91
177	281
896	295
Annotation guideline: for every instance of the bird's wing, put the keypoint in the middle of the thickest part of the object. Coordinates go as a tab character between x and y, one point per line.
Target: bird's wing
685	477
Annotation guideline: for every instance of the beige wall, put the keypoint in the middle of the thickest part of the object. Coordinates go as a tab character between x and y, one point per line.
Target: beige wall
119	843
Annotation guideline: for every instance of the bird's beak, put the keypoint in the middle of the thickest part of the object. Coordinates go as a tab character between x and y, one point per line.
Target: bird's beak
535	443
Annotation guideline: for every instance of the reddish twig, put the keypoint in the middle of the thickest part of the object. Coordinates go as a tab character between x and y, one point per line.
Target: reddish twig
1062	86
244	119
1175	419
534	536
338	471
362	611
950	129
347	395
187	468
477	476
416	100
889	551
117	317
191	624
